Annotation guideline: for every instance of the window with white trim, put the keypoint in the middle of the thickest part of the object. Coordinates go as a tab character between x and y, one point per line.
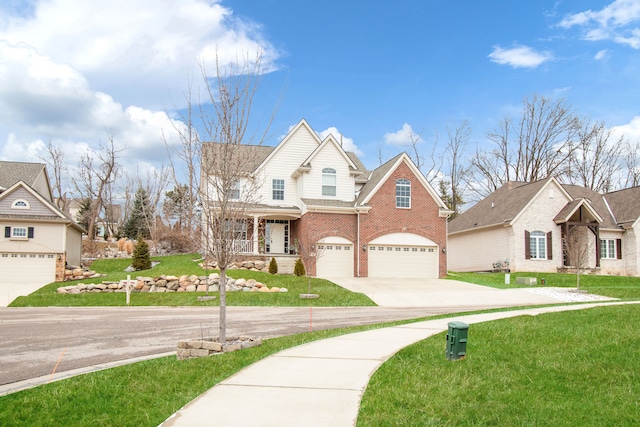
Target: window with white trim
403	193
234	191
20	204
538	245
277	186
329	182
608	248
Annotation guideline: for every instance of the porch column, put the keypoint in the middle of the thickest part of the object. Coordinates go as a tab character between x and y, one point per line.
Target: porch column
256	247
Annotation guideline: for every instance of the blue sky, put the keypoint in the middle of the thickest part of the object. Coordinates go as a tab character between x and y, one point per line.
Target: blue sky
74	71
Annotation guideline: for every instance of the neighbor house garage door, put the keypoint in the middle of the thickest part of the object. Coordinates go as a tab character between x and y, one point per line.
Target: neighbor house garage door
335	257
403	255
27	268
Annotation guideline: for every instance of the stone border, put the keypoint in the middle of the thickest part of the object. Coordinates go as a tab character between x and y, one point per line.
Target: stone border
192	349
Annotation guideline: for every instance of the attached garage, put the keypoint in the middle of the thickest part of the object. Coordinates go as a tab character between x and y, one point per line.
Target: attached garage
335	257
27	268
403	255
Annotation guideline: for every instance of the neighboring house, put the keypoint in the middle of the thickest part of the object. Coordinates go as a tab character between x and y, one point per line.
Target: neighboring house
527	224
388	222
110	221
37	238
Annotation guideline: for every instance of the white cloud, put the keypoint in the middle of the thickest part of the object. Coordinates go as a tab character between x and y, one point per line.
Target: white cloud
631	130
401	137
347	143
519	56
601	54
612	22
77	72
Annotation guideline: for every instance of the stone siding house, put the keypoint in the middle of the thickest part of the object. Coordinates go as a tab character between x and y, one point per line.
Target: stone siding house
386	222
528	224
37	239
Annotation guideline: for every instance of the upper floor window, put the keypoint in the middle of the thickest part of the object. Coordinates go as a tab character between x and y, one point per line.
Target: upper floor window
277	186
234	193
538	245
328	182
403	193
20	204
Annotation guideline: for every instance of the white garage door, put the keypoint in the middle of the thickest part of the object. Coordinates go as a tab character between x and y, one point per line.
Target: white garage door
27	268
335	257
403	255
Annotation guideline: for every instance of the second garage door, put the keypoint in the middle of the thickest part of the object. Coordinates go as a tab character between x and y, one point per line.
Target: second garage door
403	255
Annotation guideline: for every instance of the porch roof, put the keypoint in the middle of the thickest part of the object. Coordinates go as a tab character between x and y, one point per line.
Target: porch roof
570	209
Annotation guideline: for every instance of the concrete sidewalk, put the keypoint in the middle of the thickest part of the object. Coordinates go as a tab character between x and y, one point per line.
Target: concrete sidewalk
320	383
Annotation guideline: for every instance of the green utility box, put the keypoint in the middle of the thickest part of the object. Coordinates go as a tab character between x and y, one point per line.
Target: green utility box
457	340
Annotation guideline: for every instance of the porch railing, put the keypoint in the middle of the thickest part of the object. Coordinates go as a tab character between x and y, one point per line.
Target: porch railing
242	246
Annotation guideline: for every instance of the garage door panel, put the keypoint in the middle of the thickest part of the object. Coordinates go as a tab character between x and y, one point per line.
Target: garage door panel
27	268
334	260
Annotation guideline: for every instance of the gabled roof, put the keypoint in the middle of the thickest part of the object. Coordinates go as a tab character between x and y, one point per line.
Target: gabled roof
572	207
380	175
301	123
56	214
29	173
330	140
252	155
500	207
625	205
505	204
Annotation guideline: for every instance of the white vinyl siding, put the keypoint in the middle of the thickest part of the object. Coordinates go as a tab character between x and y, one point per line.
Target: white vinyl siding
329	157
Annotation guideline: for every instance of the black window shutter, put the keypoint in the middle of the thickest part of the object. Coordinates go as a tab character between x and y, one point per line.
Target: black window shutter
549	246
30	232
527	245
619	248
7	232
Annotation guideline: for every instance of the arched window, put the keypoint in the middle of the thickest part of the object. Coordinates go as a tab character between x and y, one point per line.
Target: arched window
403	193
328	182
20	204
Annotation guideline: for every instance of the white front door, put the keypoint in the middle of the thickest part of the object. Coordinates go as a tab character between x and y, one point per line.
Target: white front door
276	242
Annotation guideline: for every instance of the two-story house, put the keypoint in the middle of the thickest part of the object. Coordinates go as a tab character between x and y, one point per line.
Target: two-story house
37	238
314	196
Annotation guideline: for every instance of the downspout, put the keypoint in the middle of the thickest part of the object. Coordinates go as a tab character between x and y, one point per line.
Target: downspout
358	242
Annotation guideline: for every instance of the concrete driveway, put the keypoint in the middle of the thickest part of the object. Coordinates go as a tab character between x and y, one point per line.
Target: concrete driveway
12	290
440	293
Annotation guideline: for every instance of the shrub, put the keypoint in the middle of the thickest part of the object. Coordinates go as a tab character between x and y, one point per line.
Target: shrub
299	270
273	266
141	259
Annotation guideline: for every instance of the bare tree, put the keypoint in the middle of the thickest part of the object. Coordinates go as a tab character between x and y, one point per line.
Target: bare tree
92	180
631	155
154	182
227	187
596	162
578	247
454	154
535	147
55	162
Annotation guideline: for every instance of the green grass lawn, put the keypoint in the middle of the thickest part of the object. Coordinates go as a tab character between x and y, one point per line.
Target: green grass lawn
612	286
576	368
330	294
561	369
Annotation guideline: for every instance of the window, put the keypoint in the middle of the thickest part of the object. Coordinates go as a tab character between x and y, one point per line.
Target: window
19	233
237	229
234	191
277	186
20	204
538	245
403	193
328	182
611	248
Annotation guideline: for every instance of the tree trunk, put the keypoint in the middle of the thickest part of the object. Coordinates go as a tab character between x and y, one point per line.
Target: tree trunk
223	305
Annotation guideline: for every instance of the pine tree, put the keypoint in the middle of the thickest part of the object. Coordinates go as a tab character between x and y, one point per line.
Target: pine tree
273	266
140	216
299	270
141	260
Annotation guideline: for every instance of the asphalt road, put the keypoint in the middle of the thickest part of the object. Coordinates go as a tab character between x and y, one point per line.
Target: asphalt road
34	340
